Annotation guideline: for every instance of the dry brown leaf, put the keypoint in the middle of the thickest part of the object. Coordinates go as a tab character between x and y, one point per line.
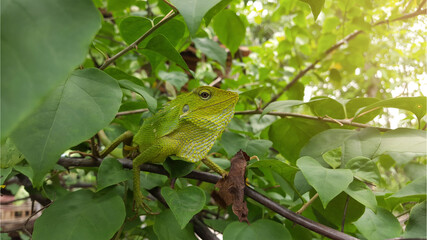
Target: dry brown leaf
232	186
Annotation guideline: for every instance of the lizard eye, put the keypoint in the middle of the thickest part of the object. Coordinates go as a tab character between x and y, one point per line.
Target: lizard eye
205	94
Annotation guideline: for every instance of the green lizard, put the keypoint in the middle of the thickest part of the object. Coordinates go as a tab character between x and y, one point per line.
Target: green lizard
186	127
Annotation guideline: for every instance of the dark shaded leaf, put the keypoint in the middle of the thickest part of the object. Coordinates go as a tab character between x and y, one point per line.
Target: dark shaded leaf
82	215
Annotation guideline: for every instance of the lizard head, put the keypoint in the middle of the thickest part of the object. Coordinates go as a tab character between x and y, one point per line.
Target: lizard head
209	104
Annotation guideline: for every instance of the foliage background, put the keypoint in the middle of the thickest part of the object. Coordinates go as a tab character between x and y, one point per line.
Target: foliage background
321	85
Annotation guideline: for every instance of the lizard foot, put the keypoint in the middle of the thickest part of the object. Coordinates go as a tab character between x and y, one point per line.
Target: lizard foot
139	202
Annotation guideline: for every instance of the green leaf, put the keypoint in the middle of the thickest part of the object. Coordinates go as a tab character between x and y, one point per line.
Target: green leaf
230	29
324	142
415	189
335	77
110	173
326	41
333	157
211	49
151	180
364	143
355	104
233	142
184	203
259	230
151	102
34	59
416	227
330	24
118	5
409	143
333	213
362	193
416	105
382	225
177	168
82	215
10	156
133	27
161	45
166	227
88	98
301	131
365	169
193	11
4	173
281	106
257	147
325	106
215	10
284	170
327	182
120	75
177	79
316	6
24	169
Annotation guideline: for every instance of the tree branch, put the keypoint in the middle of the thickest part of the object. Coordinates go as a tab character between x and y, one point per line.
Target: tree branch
347	122
211	178
336	46
109	61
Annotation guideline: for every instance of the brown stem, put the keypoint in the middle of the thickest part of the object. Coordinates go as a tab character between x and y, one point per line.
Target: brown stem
305	206
345	213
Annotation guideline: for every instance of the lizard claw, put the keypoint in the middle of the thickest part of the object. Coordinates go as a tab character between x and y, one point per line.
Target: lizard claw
139	202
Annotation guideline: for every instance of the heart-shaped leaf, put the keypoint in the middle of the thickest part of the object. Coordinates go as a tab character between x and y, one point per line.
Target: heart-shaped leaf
34	36
82	215
184	203
74	112
327	182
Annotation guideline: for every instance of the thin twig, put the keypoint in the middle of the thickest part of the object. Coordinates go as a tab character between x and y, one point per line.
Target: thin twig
32	215
132	112
335	47
109	61
345	213
347	122
307	204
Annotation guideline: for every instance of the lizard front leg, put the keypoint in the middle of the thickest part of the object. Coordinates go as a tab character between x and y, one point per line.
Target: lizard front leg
156	153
